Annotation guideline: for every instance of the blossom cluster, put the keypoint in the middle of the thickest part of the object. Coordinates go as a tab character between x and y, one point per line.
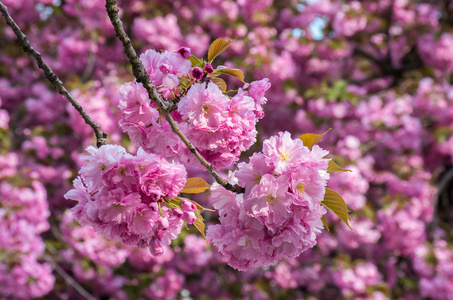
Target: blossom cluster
280	212
220	127
436	280
84	241
23	217
125	197
442	58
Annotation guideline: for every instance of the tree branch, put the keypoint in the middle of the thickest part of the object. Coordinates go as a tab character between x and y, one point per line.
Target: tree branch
141	76
368	56
68	278
50	75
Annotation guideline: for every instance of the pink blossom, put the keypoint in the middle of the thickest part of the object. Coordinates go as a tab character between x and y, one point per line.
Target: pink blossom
250	174
279	214
437	52
204	107
159	66
128	202
283	152
256	90
347	25
197	73
98	161
208	68
269	201
135	104
185	52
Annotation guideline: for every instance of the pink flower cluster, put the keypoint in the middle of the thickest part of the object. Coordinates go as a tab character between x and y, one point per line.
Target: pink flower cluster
167	286
23	217
435	280
219	127
125	197
280	212
347	23
164	69
437	52
354	281
84	242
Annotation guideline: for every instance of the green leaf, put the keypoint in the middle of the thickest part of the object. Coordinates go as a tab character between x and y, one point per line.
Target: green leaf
199	223
310	93
221	84
334	202
232	72
332	95
217	47
196	62
195	185
337	91
173	203
324	222
311	139
442	133
333	167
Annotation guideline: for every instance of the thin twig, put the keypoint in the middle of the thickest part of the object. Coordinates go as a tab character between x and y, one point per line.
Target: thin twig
50	75
91	61
368	56
68	278
445	180
141	76
440	195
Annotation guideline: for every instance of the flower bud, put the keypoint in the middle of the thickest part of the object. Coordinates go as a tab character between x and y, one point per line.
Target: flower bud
197	73
189	217
188	206
208	68
178	212
185	52
155	248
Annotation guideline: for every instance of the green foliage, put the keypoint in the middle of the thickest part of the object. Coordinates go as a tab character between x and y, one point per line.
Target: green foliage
311	139
334	202
196	62
324	222
221	84
333	167
236	73
199	223
332	92
216	48
195	185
